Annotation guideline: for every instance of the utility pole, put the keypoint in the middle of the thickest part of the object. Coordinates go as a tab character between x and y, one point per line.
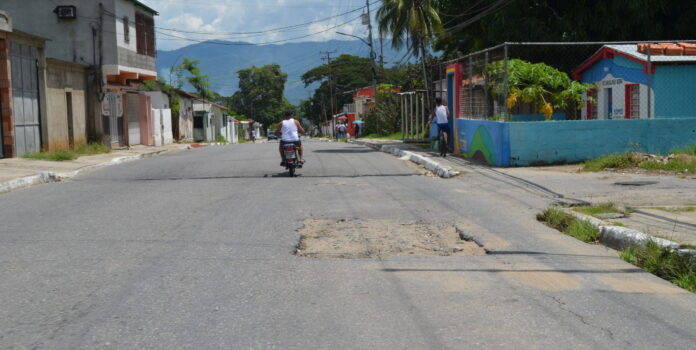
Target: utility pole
331	83
372	49
381	58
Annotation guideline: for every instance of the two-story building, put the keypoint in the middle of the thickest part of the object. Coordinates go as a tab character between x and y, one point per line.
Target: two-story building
93	57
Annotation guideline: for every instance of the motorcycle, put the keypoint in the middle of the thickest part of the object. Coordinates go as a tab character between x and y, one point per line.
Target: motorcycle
290	156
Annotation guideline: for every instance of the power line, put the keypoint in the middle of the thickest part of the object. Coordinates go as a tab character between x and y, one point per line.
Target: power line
256	44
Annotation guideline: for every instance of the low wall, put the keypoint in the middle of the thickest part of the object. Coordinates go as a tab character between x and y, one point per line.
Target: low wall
535	143
538	143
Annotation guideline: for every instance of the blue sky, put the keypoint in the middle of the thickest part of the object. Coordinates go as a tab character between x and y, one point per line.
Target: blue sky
223	19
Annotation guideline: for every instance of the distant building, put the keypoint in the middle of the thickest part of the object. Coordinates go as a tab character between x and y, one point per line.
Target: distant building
631	85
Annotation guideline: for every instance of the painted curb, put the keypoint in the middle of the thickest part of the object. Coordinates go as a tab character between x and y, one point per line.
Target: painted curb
429	164
50	176
618	237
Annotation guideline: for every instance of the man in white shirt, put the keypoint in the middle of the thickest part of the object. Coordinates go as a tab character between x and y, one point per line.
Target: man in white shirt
288	129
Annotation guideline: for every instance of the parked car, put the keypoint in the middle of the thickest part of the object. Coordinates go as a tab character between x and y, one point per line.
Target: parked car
272	136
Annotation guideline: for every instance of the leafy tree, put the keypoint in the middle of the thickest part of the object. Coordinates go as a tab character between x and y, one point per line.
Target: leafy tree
544	86
196	79
415	23
260	95
336	80
562	20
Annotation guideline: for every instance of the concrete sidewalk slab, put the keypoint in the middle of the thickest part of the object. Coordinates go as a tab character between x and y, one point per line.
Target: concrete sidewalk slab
17	173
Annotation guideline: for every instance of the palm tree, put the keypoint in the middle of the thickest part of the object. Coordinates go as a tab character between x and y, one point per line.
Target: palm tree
411	22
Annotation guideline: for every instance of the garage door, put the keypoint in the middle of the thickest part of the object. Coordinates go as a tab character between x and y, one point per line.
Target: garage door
25	98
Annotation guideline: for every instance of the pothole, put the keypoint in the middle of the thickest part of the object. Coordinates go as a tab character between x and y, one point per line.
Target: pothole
360	239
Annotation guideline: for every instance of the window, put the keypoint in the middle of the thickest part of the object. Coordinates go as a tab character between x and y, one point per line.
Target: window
126	29
145	34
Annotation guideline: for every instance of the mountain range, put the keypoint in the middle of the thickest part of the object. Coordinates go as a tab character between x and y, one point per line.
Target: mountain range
221	61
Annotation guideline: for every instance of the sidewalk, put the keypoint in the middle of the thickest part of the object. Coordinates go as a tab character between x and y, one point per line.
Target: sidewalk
16	173
566	182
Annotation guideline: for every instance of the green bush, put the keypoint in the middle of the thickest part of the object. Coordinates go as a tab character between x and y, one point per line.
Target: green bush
569	225
664	263
613	161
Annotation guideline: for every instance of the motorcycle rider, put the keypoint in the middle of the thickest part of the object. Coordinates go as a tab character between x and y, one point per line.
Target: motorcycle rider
288	129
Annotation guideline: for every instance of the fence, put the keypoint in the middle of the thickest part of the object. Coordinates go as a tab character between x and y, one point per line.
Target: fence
612	96
414	116
569	81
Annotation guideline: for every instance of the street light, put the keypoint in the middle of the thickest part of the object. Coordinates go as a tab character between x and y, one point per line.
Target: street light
372	59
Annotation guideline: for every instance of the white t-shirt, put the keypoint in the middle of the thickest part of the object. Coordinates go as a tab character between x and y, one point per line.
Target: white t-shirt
289	131
441	115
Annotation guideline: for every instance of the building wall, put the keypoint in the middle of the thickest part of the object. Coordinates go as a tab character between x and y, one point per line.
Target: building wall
675	91
125	9
7	122
71	39
63	78
574	141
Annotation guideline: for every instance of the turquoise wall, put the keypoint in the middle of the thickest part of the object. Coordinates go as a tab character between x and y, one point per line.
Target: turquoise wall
675	91
536	117
570	141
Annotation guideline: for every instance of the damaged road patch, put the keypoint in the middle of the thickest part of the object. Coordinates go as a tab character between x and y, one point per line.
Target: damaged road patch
360	239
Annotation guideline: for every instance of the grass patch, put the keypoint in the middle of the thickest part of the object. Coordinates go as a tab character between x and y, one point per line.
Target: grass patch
613	161
664	263
616	223
690	150
600	208
221	139
675	164
395	136
60	155
677	209
569	225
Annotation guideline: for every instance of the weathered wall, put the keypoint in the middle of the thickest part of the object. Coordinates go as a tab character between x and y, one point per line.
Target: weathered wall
61	79
71	39
574	141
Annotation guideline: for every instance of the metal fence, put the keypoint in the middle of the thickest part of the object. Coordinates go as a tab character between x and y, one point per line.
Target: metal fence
560	81
414	116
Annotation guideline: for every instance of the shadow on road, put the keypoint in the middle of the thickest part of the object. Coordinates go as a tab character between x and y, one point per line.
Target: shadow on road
346	150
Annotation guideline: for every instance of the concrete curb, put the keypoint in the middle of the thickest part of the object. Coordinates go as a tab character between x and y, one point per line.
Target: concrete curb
50	176
429	164
618	237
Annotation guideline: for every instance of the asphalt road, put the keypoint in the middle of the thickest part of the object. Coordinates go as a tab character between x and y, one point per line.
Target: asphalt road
194	250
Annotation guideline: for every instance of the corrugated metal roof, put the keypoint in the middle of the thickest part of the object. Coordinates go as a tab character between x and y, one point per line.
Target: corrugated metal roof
148	8
632	50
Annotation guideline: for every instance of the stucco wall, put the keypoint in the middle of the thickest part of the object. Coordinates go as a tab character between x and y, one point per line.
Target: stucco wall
71	39
574	141
675	91
62	78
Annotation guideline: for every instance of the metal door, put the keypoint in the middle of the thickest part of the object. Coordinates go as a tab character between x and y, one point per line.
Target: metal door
25	98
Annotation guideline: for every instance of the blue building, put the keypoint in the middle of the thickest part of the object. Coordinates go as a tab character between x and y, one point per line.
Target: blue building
631	85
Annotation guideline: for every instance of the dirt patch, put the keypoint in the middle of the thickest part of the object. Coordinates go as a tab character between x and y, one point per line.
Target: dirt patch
359	239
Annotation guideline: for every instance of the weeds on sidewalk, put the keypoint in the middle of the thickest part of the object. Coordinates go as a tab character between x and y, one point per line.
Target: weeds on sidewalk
599	208
677	209
614	161
395	136
70	154
680	161
569	225
679	269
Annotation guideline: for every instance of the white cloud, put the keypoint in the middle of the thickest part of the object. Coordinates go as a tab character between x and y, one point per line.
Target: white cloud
233	16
